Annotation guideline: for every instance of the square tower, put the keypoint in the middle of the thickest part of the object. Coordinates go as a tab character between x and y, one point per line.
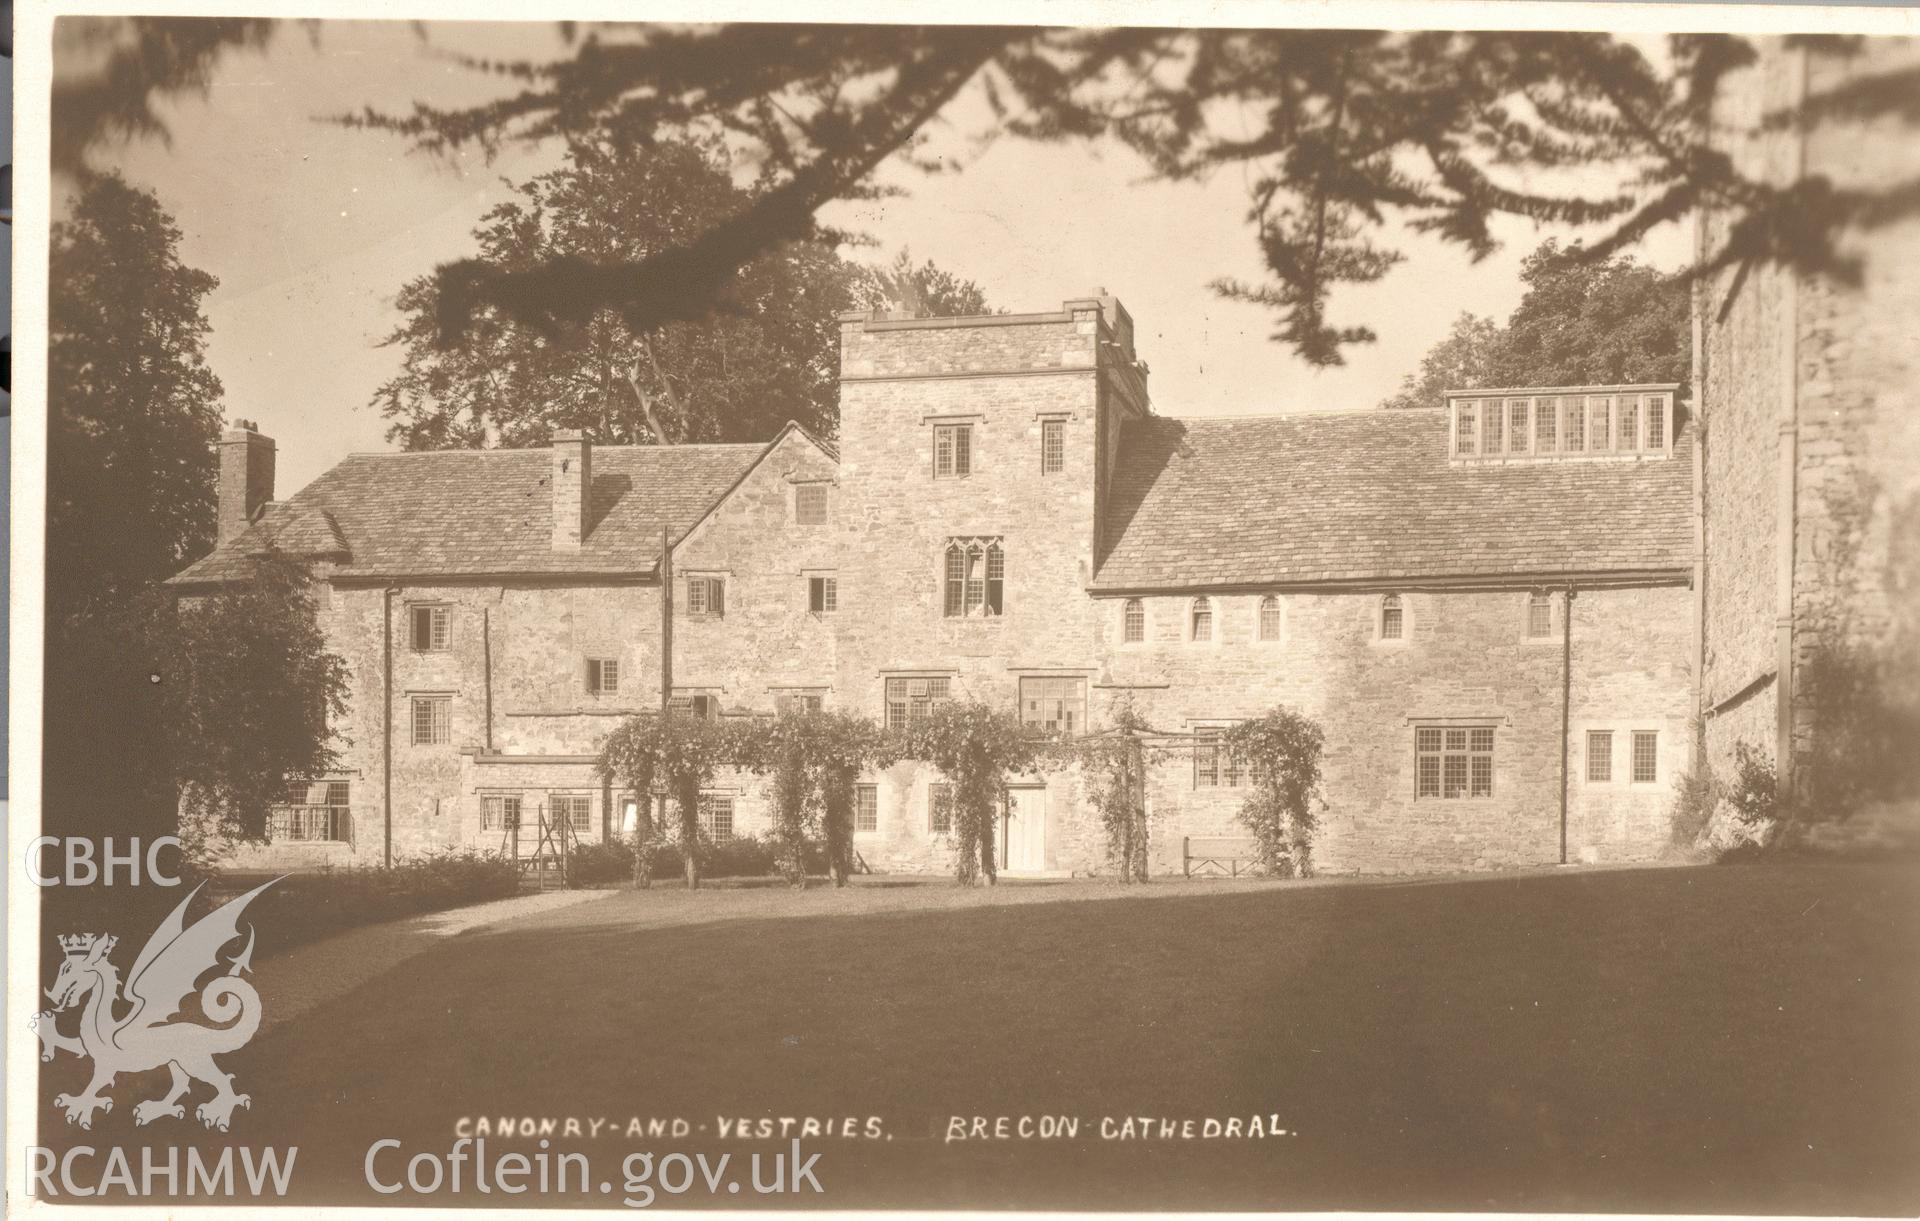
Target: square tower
975	453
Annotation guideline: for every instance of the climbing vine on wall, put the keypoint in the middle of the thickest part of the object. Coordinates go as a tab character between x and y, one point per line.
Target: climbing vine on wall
683	752
813	761
1113	766
1281	755
977	747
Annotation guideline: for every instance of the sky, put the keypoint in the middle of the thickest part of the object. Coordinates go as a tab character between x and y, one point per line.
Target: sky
312	228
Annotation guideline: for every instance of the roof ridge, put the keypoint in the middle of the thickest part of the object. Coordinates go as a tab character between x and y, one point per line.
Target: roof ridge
1311	412
536	449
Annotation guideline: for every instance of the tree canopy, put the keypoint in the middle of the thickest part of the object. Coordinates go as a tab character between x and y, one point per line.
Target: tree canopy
206	707
1608	322
1339	132
246	688
133	418
135	411
218	702
766	354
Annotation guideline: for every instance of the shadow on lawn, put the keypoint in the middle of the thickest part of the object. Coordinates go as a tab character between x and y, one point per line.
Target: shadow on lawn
1694	1040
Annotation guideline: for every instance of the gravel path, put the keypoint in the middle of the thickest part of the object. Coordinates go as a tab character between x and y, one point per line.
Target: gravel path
294	982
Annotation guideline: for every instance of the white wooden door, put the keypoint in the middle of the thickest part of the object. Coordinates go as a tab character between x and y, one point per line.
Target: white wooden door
1024	833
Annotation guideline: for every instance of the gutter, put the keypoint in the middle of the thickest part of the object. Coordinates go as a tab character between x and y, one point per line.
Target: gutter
1634	578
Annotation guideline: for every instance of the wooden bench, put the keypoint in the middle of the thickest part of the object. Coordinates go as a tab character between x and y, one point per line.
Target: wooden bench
1218	856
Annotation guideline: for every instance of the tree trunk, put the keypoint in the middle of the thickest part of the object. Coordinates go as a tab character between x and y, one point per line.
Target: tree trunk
642	839
987	873
689	798
1137	806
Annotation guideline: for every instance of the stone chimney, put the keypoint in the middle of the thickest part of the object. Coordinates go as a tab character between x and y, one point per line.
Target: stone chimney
572	484
246	476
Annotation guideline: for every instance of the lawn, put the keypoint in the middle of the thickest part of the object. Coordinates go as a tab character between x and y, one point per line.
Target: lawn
1732	1039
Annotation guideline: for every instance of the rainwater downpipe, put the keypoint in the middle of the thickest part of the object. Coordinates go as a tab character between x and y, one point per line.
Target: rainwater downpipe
1566	711
1789	454
386	727
1698	393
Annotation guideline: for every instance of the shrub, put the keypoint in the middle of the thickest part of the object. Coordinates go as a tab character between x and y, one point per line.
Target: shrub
1864	700
304	907
742	856
600	864
1750	811
1696	794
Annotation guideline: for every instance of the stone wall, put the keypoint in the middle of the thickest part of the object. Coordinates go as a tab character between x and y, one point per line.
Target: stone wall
1004	376
1465	657
1838	362
514	669
1858	470
523	721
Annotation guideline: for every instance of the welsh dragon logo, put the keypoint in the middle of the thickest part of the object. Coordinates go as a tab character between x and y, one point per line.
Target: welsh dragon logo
135	1031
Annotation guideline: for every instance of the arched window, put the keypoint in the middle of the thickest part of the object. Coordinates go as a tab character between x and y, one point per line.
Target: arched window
1393	618
1133	621
1269	618
975	577
1202	619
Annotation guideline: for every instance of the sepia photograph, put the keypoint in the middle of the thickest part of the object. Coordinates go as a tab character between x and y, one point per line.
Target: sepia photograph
1126	607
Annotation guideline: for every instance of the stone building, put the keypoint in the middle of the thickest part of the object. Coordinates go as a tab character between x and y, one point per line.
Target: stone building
1809	481
1485	605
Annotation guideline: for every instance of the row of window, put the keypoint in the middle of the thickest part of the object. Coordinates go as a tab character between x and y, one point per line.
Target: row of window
955	457
504	812
1562	426
974	587
1448	761
313	811
1451	761
1391	622
431	629
707	596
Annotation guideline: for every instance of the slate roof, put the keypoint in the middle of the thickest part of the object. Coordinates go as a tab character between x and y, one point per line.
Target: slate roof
1360	495
479	512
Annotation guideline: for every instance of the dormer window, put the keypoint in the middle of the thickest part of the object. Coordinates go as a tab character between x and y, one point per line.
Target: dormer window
1577	422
